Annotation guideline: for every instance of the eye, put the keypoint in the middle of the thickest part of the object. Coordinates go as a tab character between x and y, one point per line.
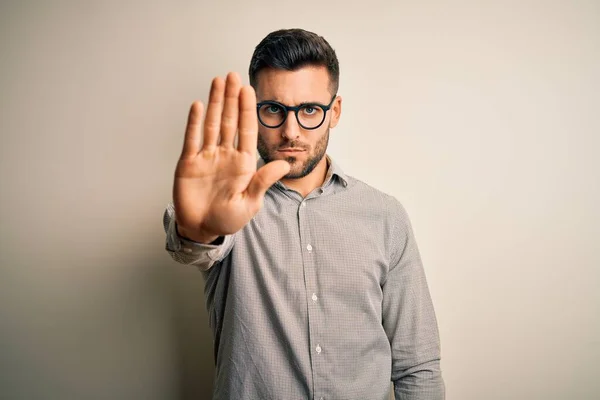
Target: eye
273	109
309	110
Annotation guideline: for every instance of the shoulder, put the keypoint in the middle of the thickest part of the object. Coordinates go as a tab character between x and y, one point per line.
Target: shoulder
389	213
388	204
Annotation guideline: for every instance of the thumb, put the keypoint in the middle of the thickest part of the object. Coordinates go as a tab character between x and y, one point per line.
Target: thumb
266	176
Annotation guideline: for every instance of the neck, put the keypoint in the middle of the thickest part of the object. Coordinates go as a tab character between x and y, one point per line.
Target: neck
310	182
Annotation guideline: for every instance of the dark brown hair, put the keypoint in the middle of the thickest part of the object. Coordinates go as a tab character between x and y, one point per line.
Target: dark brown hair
292	49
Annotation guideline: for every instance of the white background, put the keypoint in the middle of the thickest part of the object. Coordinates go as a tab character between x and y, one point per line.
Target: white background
482	118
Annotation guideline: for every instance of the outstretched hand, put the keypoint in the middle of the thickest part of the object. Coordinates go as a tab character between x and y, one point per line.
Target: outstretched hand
217	188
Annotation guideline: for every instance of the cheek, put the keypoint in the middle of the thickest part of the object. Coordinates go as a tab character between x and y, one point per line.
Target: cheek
268	139
322	140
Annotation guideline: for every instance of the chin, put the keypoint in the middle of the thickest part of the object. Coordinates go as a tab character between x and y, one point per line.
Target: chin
300	169
296	168
294	175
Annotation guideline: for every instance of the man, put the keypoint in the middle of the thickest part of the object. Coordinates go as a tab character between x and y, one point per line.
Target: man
314	284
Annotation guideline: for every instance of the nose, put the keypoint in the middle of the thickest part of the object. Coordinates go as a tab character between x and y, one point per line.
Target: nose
290	128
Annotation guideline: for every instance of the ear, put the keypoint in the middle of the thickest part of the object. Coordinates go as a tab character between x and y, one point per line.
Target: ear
336	112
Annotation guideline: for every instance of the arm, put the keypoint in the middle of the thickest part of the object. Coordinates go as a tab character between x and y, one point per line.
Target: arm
217	188
409	320
185	251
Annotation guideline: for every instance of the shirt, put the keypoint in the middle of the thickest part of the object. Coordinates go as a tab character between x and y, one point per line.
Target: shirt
322	297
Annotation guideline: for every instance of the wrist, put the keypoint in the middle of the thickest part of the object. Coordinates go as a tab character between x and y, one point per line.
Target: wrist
195	236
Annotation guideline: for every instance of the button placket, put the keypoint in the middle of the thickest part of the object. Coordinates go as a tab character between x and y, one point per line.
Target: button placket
310	281
315	315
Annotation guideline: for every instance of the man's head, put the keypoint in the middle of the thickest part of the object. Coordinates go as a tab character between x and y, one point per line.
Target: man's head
294	67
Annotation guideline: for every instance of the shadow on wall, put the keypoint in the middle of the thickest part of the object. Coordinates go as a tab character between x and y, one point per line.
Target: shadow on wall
112	326
193	343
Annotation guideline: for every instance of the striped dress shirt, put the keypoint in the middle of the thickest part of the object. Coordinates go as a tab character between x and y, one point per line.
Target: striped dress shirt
322	297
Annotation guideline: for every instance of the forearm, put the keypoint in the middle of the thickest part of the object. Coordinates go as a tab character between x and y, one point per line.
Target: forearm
421	382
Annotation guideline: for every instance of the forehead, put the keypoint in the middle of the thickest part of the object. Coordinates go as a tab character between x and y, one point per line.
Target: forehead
293	87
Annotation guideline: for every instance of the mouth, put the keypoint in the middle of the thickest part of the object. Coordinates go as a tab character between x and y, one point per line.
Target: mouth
290	150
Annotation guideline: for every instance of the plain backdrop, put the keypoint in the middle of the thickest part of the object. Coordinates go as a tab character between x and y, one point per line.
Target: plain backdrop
481	117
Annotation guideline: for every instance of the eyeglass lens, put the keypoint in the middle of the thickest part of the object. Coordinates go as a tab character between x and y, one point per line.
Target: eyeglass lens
273	115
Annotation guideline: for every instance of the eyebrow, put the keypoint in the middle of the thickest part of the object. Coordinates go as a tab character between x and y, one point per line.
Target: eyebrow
298	105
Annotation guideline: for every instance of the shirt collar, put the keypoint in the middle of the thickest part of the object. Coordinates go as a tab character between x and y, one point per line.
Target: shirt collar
335	170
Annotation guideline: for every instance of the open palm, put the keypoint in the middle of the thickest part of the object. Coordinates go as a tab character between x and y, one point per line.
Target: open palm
217	188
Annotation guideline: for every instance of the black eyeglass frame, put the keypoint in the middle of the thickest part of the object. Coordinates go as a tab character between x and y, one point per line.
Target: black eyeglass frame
295	109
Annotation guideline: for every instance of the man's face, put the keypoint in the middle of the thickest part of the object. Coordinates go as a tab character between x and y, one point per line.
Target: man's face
302	148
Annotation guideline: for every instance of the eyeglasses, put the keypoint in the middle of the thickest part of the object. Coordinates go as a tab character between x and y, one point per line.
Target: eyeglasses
309	115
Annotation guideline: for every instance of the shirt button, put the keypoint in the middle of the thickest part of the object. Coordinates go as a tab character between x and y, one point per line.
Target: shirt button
187	250
303	204
318	349
314	297
309	247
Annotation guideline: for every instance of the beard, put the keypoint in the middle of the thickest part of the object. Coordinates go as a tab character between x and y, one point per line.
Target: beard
297	169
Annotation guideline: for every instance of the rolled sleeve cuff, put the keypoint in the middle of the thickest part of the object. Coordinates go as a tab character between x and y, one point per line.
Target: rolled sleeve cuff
185	251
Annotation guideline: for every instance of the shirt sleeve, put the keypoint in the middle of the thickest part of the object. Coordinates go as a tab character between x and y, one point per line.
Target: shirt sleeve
409	319
185	251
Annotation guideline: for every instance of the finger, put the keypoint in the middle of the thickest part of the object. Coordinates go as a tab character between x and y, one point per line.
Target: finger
212	123
229	120
248	122
191	143
266	176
